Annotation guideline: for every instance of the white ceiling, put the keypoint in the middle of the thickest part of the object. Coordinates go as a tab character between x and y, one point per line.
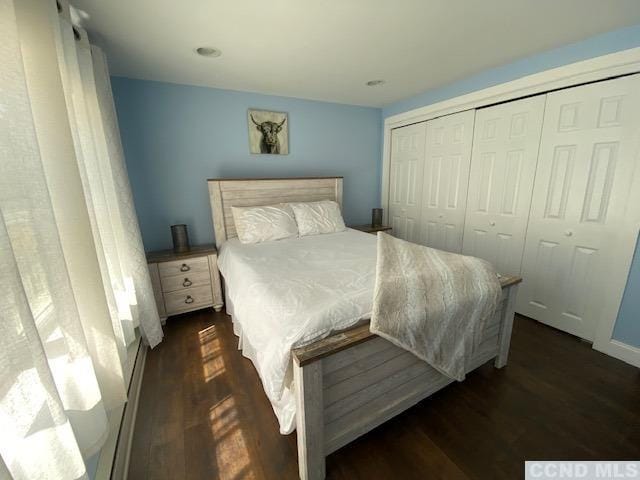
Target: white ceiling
328	49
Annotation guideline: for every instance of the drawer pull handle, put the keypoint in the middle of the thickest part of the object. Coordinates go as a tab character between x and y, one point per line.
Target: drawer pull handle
187	283
185	268
189	299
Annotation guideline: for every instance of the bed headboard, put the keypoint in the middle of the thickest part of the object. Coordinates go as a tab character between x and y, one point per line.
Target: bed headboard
225	193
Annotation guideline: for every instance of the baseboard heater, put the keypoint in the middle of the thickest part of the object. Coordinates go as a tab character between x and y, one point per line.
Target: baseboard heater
113	463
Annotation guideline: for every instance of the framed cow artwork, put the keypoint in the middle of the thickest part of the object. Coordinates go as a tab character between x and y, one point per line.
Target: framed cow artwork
268	132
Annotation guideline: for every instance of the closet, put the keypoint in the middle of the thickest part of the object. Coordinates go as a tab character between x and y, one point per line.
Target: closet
505	153
589	153
446	177
429	179
540	187
405	192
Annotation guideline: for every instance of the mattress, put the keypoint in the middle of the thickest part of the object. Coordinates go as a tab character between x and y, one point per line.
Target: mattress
288	293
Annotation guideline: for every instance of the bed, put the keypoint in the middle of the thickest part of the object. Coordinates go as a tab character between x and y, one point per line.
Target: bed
300	308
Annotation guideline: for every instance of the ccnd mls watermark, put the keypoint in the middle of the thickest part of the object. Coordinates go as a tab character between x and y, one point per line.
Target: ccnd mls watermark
543	470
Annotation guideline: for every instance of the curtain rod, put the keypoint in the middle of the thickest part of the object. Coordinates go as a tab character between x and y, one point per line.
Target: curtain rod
76	33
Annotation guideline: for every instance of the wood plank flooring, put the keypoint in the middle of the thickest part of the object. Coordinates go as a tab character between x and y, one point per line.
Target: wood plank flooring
203	414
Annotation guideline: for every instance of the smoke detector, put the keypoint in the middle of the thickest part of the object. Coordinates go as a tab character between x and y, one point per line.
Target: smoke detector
209	52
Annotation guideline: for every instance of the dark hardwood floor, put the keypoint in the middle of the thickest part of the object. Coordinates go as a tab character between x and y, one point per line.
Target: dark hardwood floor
203	414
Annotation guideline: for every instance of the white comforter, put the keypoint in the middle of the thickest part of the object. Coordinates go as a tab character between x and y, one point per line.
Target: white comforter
291	292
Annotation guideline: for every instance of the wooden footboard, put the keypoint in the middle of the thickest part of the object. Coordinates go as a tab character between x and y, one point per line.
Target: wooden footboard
351	382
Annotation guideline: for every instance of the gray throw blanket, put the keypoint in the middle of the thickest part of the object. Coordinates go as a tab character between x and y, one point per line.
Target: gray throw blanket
432	303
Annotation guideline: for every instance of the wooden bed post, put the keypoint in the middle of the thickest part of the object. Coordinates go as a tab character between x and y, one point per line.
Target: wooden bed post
507	325
309	419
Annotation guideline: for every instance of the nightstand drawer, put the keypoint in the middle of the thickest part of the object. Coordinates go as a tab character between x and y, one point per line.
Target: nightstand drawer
187	299
185	280
181	267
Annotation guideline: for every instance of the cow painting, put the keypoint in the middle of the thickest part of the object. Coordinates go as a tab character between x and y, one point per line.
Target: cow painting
268	132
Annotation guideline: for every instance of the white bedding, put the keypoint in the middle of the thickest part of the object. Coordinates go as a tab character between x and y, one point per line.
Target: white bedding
291	292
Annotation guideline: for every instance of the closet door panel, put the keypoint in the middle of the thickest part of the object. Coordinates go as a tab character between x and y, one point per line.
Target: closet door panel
446	176
588	157
407	171
503	168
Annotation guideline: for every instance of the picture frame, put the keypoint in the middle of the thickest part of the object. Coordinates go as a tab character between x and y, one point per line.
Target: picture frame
268	132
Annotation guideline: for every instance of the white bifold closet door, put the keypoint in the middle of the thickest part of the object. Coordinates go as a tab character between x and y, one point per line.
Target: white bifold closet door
503	168
407	171
446	178
582	205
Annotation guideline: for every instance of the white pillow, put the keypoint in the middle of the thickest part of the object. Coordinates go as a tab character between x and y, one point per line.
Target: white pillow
264	223
314	218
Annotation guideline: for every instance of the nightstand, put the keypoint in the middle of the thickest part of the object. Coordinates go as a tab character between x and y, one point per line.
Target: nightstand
371	229
183	282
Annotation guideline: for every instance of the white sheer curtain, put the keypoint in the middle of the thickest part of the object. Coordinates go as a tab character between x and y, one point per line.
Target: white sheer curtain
73	276
106	184
137	277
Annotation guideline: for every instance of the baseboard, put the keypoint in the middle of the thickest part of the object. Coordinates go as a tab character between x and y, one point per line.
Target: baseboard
125	438
621	351
113	463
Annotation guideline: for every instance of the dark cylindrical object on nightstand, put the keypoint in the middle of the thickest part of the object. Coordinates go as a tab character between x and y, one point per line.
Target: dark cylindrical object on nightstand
376	217
180	238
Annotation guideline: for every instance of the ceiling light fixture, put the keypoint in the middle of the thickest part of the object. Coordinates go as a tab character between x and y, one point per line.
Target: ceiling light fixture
208	52
374	83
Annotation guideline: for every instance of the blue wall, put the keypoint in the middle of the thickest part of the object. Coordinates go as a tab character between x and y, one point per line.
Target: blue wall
91	464
592	47
177	136
627	328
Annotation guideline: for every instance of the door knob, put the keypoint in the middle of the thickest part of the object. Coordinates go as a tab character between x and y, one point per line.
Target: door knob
441	216
492	223
568	233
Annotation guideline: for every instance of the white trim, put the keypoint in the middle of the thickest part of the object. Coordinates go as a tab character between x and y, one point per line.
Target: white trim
621	351
625	242
599	68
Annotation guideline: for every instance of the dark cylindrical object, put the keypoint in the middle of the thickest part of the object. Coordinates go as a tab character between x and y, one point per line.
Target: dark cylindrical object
180	238
376	217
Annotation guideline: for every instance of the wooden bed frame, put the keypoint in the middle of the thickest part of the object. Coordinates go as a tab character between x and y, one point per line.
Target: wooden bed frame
352	381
